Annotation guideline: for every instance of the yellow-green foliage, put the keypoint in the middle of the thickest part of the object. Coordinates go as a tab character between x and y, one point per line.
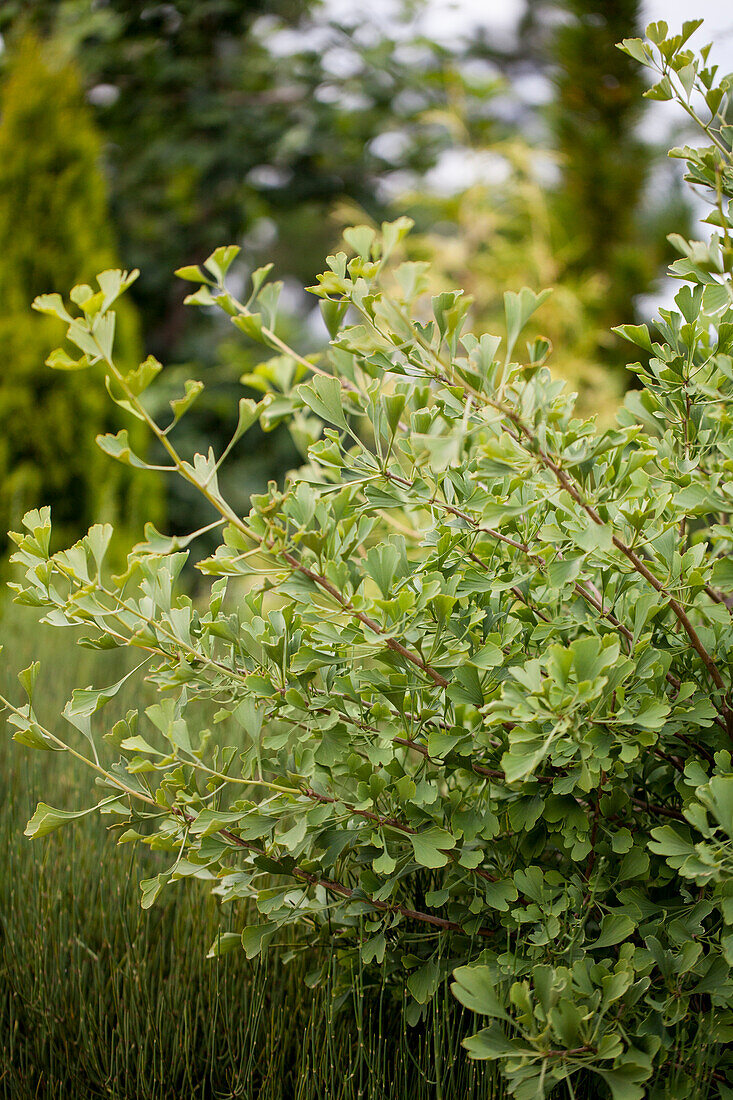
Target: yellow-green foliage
491	238
54	228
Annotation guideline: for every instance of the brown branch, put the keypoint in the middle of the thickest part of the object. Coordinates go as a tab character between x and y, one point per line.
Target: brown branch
580	588
412	914
673	760
393	823
490	773
392	643
343	891
653	808
696	747
631	555
390	822
716	597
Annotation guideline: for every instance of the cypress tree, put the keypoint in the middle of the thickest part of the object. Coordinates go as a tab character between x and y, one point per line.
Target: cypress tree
611	225
54	232
614	230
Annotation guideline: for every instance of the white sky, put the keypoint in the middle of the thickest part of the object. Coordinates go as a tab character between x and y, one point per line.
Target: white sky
448	19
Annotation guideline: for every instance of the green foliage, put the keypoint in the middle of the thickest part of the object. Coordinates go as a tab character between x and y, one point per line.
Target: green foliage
54	230
100	999
479	653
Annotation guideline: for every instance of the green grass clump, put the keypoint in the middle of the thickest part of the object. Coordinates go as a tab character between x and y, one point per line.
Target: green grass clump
99	998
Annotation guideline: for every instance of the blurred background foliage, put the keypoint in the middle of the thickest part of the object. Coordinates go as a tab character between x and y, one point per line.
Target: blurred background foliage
55	230
266	124
615	198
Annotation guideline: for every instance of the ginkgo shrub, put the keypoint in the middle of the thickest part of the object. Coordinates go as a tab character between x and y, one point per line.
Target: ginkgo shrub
479	656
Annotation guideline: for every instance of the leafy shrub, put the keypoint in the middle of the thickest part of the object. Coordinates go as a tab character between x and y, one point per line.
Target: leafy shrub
480	655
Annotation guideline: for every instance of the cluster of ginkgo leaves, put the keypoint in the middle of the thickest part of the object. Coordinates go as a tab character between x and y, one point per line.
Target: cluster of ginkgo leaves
477	655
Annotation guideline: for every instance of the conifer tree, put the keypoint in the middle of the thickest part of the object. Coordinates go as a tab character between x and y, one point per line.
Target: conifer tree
54	230
611	224
619	228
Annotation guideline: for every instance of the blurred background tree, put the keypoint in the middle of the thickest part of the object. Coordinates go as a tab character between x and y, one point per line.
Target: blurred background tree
494	237
54	231
610	223
219	113
620	223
